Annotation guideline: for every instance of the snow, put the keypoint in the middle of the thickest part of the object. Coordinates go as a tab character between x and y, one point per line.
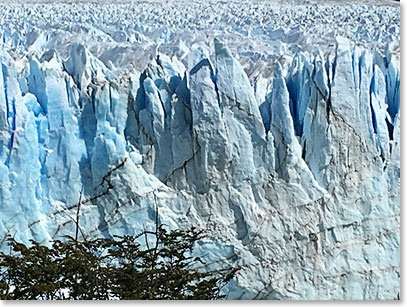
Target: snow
275	126
257	31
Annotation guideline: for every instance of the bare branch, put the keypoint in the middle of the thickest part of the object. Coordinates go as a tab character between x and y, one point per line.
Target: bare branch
77	218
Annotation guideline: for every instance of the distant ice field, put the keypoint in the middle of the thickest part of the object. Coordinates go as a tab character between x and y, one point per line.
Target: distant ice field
128	34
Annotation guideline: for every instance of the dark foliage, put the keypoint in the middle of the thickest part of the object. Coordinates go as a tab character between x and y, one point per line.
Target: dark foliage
103	269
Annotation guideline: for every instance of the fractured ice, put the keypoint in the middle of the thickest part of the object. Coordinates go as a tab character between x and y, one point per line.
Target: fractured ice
286	149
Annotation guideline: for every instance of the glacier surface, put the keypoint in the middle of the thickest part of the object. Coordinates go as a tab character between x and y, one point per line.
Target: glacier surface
265	124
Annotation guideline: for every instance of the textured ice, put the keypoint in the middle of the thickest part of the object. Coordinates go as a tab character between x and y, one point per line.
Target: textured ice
269	127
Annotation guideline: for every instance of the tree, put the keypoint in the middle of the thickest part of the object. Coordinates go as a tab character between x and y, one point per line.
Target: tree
116	268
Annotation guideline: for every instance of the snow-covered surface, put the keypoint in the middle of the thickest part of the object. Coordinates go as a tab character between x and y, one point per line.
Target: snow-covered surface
127	34
275	126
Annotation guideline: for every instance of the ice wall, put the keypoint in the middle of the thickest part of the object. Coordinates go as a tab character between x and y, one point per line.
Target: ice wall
296	177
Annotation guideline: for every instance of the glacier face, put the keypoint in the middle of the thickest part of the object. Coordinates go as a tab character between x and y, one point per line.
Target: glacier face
292	167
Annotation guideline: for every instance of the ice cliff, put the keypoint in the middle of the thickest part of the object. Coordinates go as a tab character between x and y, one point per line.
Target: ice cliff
294	173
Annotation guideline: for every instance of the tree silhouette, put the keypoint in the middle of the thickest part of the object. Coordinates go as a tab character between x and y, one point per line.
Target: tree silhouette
119	268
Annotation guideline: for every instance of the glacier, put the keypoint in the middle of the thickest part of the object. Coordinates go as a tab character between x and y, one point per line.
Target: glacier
289	156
